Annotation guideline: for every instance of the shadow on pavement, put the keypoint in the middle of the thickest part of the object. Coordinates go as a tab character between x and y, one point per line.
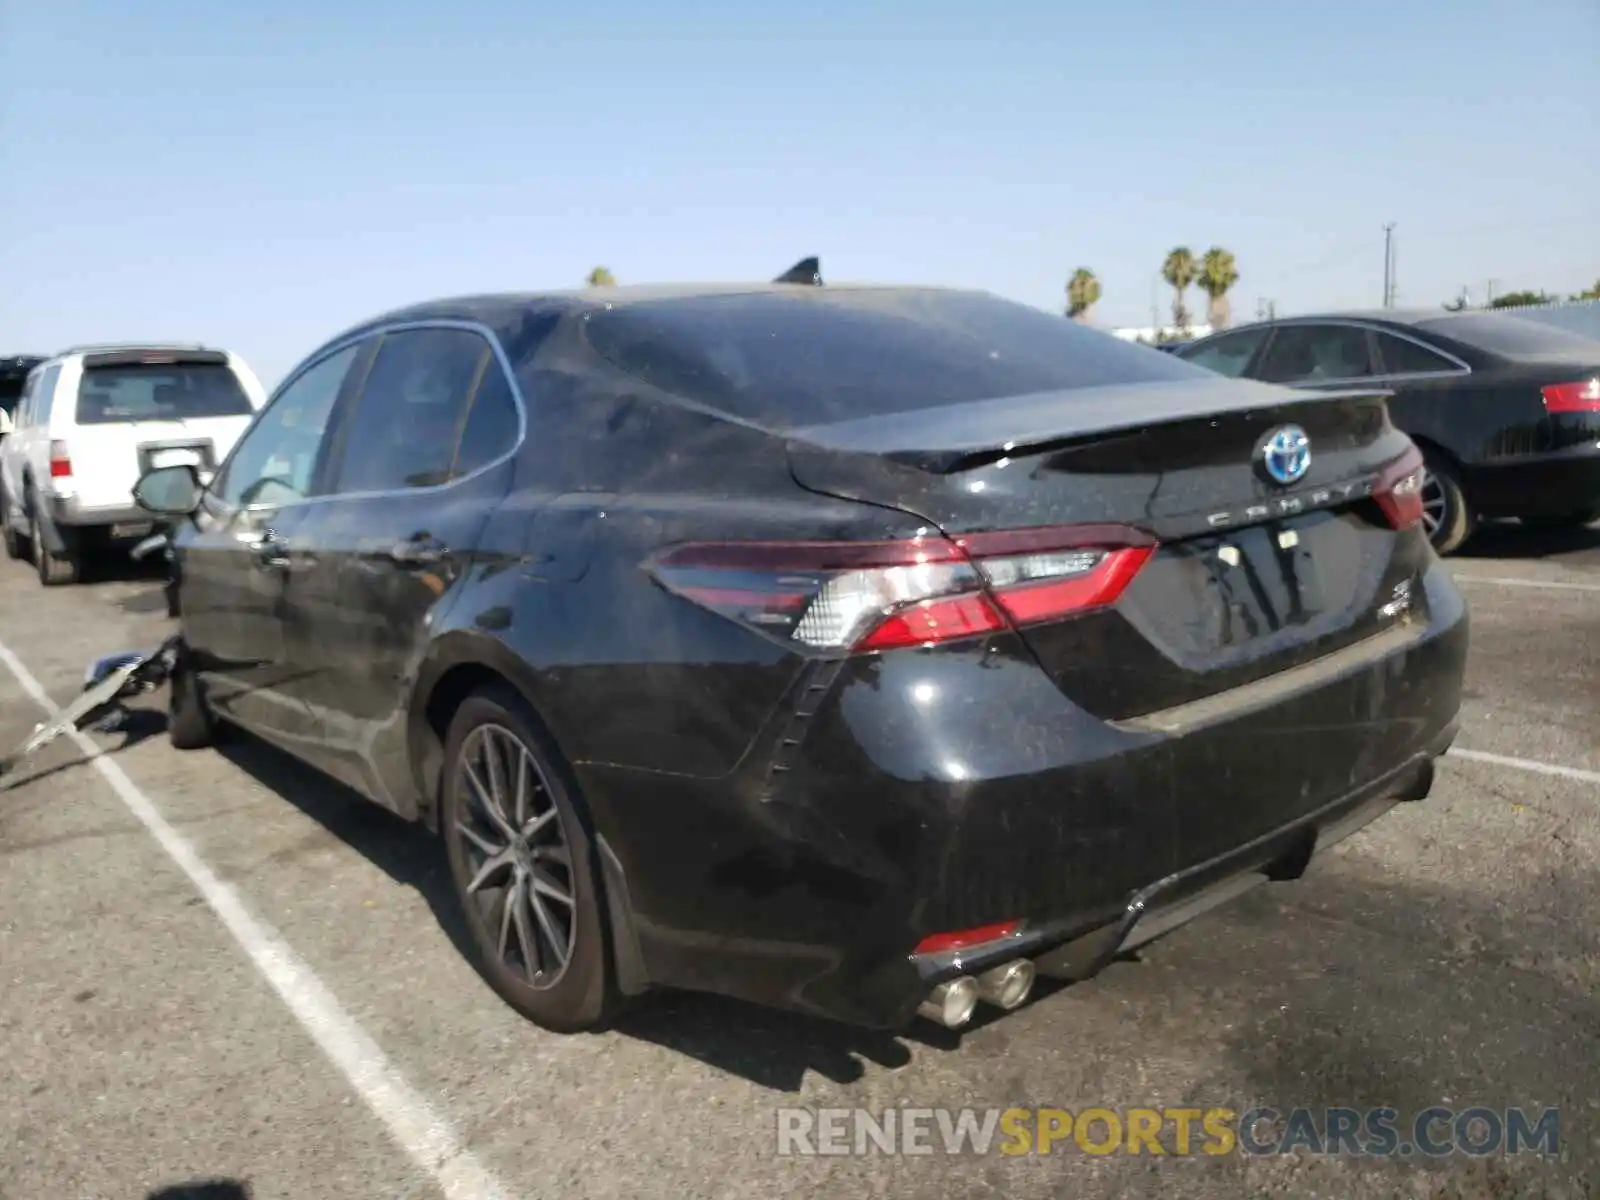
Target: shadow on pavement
209	1189
772	1049
140	725
405	851
1508	539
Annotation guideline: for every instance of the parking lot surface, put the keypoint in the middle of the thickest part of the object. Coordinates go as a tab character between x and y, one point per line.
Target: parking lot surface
217	966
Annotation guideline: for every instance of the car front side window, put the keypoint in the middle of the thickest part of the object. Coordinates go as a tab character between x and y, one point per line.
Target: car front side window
276	458
1227	355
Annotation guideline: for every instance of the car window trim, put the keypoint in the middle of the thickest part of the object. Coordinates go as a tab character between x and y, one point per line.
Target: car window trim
1371	328
376	333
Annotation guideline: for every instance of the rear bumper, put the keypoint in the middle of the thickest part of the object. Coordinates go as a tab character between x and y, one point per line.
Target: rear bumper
946	790
1542	485
72	512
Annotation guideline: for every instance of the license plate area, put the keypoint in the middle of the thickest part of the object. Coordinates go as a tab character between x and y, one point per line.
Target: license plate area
192	452
1213	600
131	529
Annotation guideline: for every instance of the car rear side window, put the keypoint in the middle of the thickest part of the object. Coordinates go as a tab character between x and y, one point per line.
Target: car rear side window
41	397
168	392
1312	353
1401	356
1227	355
492	424
409	418
815	356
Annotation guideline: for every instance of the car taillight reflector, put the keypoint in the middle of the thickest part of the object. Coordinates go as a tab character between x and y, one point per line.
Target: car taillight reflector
1583	396
965	939
1398	490
60	461
869	596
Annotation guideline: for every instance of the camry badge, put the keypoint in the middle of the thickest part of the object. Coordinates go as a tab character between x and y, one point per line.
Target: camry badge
1286	455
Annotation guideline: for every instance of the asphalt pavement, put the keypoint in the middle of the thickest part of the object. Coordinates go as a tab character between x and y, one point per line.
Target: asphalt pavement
216	966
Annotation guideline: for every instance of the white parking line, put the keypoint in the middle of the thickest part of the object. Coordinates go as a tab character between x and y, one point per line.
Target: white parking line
1502	581
422	1132
1527	764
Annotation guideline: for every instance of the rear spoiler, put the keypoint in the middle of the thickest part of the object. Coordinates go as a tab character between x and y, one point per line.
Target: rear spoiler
807	271
959	437
153	355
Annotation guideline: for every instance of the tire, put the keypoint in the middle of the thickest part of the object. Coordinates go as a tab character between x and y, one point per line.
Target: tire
1448	516
569	995
1565	523
15	550
54	570
191	725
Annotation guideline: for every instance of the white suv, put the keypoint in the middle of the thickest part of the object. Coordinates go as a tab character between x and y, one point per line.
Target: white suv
92	420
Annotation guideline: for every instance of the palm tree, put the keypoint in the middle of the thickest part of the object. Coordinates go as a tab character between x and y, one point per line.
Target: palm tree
1083	293
1179	272
1217	274
602	277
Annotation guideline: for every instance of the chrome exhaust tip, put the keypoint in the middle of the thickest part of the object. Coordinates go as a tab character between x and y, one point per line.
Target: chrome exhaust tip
951	1004
1007	985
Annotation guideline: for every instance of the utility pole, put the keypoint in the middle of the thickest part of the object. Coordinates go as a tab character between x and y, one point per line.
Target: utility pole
1388	265
1488	293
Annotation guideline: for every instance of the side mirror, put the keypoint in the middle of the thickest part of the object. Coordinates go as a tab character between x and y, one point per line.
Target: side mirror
169	491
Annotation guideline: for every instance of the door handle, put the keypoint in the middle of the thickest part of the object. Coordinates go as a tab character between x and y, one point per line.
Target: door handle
271	550
417	552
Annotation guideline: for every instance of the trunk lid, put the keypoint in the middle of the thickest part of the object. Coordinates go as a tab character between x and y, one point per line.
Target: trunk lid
1250	576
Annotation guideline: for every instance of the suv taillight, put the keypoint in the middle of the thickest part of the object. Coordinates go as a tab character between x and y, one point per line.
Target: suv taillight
60	461
1583	396
1398	490
860	597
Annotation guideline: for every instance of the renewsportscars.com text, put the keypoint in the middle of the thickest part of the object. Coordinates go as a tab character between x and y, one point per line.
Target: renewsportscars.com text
1177	1132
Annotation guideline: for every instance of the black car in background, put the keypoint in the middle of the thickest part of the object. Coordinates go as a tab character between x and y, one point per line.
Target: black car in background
857	650
13	378
1506	410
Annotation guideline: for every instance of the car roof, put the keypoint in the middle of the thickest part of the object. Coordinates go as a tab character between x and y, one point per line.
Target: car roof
499	310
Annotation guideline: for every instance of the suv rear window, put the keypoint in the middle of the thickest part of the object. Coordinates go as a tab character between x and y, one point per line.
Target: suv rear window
784	360
1514	337
169	392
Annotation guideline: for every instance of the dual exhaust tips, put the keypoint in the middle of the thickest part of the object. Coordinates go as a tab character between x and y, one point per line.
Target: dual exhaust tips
952	1004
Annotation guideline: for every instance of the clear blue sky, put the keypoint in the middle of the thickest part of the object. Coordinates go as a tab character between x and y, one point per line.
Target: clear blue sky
260	174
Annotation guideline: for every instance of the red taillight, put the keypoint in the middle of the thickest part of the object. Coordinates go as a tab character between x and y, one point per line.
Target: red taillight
1583	396
60	461
943	943
1398	490
868	596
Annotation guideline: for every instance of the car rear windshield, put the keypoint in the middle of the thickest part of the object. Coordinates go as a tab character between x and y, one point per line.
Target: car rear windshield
175	392
786	360
1515	337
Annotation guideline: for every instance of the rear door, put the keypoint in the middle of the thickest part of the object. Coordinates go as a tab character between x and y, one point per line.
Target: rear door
237	566
133	410
422	457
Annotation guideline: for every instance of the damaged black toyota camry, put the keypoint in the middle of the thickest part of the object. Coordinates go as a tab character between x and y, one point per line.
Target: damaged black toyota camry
864	651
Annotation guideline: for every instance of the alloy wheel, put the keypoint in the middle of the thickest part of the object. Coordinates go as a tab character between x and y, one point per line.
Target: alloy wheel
522	887
1435	505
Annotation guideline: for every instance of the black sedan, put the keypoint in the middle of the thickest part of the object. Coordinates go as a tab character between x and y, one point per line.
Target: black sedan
863	651
1506	410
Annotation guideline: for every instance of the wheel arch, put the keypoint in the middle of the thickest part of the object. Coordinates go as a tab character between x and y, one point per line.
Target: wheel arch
459	665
